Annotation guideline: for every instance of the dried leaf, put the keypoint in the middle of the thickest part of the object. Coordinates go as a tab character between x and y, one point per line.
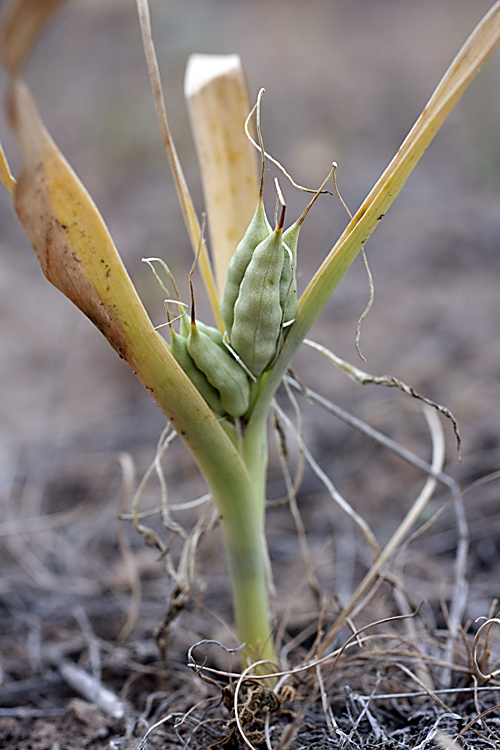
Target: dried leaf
186	202
77	255
215	90
364	378
21	28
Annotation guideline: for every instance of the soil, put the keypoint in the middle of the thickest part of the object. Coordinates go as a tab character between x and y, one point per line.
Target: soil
86	658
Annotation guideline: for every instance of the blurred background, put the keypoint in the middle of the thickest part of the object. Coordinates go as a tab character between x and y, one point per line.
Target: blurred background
344	80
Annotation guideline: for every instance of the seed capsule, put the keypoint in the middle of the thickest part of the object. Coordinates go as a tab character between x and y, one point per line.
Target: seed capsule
211	332
257	311
221	371
288	282
178	349
257	231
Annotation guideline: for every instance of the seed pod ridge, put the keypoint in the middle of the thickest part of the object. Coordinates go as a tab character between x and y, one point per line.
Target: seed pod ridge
257	311
178	349
221	371
257	231
288	282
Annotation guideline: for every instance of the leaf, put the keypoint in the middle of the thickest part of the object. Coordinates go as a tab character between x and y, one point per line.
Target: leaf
5	173
474	53
69	236
184	196
215	89
21	28
77	255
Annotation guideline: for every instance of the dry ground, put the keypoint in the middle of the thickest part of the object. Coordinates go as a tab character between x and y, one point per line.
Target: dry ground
344	80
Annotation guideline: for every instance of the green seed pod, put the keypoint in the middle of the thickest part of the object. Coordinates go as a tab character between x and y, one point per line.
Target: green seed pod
257	311
288	282
257	231
185	325
178	349
221	371
213	333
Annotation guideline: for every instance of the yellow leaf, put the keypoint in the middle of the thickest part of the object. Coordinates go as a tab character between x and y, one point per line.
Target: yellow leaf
69	236
78	256
474	53
469	60
5	173
21	28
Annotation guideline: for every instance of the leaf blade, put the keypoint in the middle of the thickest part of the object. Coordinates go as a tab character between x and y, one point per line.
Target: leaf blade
183	194
77	255
473	54
216	93
5	174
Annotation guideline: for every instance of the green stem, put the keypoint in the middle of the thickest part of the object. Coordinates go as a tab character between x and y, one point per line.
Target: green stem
237	489
255	455
246	550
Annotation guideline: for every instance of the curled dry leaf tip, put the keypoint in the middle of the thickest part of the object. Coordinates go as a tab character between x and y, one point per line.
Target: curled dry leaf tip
21	28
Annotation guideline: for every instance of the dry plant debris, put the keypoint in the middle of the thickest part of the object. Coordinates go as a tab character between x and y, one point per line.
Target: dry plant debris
406	680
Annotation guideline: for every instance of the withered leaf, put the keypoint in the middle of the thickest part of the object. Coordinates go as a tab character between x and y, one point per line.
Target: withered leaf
21	29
